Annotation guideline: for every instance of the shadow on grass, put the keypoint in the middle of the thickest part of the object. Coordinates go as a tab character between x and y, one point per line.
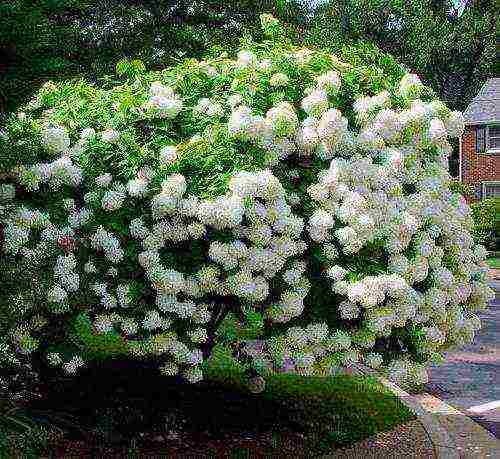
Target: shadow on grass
116	399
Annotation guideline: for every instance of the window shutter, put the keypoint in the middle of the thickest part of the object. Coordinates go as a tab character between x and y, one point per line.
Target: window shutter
480	139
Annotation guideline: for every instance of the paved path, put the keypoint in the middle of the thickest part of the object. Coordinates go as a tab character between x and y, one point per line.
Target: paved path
470	378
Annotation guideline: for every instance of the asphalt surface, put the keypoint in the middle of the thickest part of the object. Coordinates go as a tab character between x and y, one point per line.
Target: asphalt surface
469	380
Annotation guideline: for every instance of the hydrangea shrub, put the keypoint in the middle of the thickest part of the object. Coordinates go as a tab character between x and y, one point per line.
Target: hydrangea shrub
291	206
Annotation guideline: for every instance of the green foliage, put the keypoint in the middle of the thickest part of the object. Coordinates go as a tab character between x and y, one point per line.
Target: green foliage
130	68
486	216
97	346
26	432
461	187
329	408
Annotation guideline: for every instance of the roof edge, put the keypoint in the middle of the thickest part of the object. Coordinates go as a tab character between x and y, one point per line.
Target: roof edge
474	123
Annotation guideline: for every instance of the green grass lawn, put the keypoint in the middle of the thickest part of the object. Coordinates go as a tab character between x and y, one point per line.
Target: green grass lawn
336	411
493	263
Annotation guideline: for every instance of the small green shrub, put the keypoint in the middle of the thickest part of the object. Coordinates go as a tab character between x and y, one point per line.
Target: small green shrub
486	216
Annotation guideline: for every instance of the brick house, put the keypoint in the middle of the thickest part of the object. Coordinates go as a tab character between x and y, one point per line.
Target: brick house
479	148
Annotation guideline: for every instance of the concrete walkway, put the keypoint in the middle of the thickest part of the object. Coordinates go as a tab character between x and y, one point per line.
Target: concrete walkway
470	378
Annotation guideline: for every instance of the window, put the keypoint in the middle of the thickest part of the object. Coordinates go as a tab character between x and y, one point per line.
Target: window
491	190
480	139
494	138
488	139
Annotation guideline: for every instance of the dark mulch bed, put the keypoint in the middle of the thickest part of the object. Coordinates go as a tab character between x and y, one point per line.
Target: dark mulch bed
121	407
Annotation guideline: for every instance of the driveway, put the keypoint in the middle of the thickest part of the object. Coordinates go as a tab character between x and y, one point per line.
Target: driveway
469	380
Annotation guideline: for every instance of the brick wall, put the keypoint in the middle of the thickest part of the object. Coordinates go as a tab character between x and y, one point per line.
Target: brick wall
477	167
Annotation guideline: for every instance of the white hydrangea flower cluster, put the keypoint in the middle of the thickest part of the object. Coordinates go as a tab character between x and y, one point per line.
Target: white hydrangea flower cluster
163	101
105	241
168	155
365	106
393	242
56	139
208	107
114	199
64	273
60	172
110	136
246	58
329	81
71	367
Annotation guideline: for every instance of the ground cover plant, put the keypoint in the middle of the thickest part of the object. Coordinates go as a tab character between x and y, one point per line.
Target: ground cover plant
288	206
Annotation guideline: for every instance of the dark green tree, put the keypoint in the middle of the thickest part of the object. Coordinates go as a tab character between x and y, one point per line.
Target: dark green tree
451	47
59	39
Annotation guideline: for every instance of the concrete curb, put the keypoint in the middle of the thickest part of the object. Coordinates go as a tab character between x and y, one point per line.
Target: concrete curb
452	433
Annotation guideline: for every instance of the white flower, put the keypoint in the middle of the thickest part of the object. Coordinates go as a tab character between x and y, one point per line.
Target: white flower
129	326
56	139
348	310
245	58
201	315
103	324
336	273
437	131
103	180
152	320
455	124
57	294
54	358
166	107
329	81
158	89
87	133
234	100
279	79
7	192
108	301
123	294
316	103
168	155
110	136
137	187
72	366
265	64
113	200
373	360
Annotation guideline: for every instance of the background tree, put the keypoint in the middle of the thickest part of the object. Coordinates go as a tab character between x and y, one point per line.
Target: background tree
454	53
60	39
450	44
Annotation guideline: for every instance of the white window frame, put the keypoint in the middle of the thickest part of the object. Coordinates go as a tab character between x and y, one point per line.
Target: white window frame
483	188
491	151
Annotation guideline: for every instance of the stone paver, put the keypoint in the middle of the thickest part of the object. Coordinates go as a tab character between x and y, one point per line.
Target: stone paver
471	374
